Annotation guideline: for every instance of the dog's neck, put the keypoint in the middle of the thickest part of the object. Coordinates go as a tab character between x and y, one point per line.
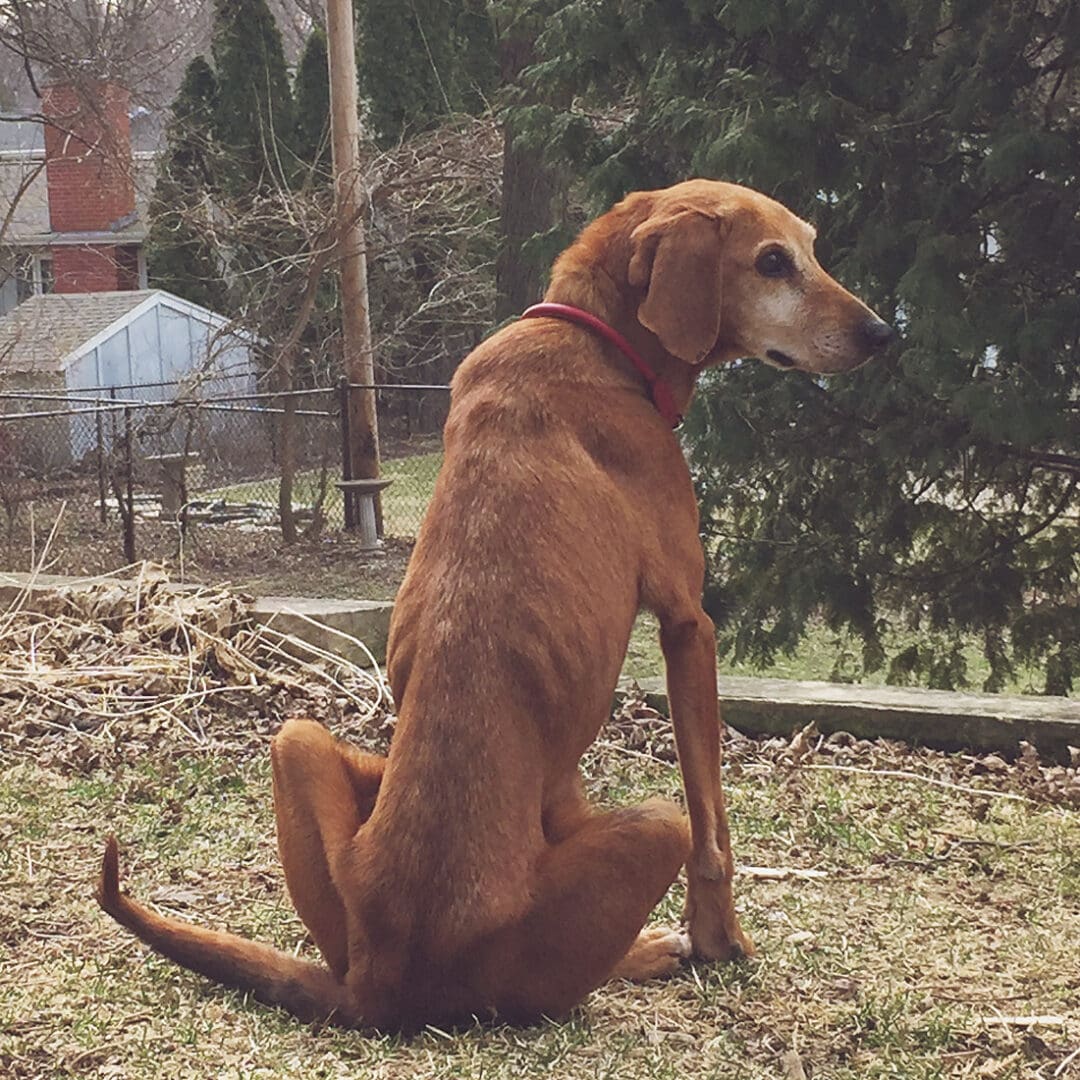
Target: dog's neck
593	276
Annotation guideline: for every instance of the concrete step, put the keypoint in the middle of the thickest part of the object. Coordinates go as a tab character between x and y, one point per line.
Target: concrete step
937	718
351	629
14	585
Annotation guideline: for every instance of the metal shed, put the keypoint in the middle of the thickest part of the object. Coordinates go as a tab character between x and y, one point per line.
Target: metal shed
144	345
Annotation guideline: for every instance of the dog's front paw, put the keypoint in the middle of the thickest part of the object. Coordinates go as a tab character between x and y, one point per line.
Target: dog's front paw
715	933
732	943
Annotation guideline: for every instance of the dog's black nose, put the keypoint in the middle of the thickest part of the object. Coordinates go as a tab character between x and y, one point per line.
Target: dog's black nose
876	333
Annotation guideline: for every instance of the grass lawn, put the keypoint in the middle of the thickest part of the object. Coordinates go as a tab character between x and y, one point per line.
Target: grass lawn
403	502
917	914
819	656
929	916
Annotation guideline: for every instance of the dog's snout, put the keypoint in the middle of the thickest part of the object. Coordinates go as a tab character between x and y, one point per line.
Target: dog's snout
876	333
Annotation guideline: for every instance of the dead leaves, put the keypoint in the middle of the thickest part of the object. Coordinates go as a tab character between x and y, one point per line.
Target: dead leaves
105	668
638	728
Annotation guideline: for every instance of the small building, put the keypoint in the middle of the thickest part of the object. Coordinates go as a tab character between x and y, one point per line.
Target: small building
143	345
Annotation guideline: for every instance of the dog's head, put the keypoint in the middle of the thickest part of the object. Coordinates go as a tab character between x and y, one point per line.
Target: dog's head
726	272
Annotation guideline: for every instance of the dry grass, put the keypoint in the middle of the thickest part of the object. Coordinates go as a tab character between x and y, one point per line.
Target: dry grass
928	931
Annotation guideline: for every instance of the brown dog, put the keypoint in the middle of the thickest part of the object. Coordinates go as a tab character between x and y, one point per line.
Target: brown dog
465	873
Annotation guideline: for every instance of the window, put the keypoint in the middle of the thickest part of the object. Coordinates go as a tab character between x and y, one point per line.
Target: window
33	274
24	277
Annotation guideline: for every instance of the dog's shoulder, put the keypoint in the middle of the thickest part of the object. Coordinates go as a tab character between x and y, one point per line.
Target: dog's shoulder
527	351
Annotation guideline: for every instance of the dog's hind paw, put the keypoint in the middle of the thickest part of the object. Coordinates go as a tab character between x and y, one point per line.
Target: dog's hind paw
658	951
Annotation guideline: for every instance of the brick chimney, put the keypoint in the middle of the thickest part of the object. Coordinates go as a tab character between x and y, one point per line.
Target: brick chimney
88	168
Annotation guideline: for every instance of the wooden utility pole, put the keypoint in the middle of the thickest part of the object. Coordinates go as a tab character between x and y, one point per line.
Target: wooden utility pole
363	425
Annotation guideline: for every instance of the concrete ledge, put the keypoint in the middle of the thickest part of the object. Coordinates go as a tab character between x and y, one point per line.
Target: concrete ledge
326	624
329	625
937	718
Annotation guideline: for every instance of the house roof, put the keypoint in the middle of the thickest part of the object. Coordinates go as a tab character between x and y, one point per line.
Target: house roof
49	333
42	332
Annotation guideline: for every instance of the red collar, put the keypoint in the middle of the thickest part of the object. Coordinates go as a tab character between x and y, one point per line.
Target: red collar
659	390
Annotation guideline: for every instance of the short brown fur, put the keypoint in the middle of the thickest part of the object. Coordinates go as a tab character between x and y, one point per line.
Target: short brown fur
465	874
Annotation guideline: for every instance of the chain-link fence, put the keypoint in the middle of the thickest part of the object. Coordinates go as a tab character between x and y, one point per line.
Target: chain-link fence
150	458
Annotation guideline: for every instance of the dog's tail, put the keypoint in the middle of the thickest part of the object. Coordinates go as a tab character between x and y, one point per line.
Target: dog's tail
308	991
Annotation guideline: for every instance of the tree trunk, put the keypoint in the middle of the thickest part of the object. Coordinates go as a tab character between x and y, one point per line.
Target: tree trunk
287	465
529	190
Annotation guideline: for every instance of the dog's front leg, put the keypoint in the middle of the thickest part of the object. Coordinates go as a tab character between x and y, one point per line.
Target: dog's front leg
690	657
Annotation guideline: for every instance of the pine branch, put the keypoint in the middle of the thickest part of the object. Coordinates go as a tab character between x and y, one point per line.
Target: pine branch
1064	463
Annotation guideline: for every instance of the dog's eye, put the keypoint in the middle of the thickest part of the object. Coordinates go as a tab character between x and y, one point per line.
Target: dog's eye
774	263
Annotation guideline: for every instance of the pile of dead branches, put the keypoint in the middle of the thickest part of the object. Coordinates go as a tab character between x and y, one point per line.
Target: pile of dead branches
112	667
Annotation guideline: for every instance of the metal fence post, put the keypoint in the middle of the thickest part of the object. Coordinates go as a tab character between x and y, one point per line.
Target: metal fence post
103	512
129	491
346	456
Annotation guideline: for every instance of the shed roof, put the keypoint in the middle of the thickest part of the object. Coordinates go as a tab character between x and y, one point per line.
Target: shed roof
48	333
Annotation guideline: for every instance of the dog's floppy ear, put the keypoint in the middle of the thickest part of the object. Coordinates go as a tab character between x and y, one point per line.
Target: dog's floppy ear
676	257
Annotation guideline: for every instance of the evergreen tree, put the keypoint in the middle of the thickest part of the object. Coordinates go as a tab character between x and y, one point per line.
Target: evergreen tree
421	60
254	121
312	96
933	143
405	64
476	71
179	255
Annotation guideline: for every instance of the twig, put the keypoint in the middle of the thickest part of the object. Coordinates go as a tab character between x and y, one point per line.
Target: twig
368	709
972	841
792	1065
1060	1070
1023	1021
347	637
901	774
641	755
377	676
780	873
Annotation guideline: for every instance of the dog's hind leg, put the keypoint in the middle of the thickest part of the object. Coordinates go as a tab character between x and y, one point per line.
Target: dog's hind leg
592	895
324	790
